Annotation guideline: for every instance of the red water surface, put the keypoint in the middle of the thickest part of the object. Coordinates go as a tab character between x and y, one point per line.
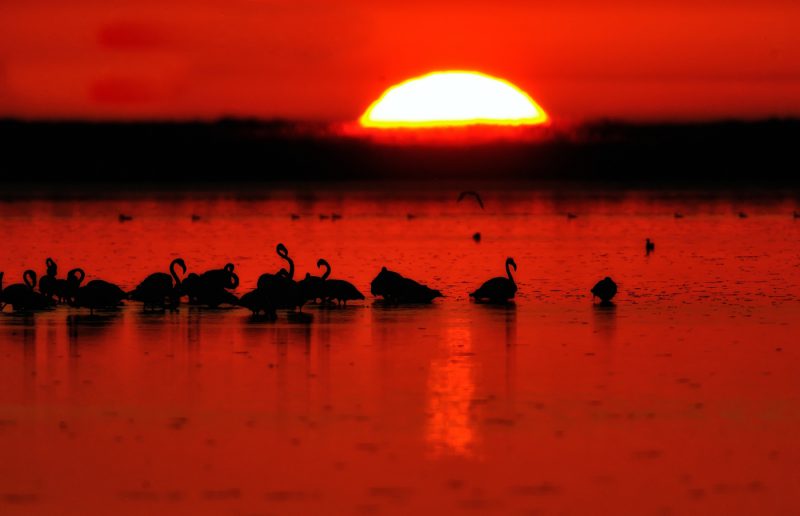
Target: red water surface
682	399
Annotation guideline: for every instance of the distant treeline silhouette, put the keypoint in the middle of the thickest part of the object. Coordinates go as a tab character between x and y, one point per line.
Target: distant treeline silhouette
277	151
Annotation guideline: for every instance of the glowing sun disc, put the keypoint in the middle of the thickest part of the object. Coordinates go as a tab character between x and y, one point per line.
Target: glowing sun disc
453	98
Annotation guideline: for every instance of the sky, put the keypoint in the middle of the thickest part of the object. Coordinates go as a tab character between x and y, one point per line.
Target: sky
327	61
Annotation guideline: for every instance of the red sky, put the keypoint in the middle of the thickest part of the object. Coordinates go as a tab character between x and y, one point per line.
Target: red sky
309	59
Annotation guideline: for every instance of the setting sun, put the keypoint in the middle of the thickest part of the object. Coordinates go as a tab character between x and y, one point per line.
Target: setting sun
453	98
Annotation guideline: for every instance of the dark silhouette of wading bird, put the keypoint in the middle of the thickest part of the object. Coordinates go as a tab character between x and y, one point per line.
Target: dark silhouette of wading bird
742	215
125	218
312	286
159	290
477	237
98	294
396	289
499	289
48	282
329	290
66	288
470	193
258	301
605	289
21	296
649	246
222	278
280	288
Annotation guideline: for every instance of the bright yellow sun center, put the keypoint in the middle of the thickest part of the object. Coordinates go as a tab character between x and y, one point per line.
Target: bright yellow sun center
455	98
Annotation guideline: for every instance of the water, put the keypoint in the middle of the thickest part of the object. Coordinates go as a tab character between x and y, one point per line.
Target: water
684	398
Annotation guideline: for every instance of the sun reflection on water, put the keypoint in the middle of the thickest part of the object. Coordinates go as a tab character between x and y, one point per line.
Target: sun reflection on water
451	388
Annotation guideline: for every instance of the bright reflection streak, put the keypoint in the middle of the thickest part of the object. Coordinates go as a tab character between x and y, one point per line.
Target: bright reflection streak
451	388
453	98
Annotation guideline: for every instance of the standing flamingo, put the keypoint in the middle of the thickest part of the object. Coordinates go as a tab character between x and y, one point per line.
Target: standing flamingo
160	289
21	296
499	289
48	282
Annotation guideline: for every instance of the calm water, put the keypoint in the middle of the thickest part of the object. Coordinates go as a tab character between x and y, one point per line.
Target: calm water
683	399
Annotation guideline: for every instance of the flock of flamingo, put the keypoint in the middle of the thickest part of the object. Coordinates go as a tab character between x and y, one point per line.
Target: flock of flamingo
162	291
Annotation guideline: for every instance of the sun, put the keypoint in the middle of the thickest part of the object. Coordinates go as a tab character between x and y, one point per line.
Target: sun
453	98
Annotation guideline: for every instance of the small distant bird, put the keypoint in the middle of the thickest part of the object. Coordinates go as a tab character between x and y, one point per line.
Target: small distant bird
335	216
649	246
125	218
295	216
195	217
678	215
796	214
571	215
605	289
470	193
323	217
499	289
742	215
476	236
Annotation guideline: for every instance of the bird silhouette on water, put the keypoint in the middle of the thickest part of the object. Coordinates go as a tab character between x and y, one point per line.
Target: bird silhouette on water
500	289
396	289
48	282
66	288
21	296
649	246
281	290
605	289
125	218
160	290
330	290
98	295
211	288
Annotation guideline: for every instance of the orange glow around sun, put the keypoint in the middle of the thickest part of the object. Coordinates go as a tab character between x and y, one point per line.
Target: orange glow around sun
453	98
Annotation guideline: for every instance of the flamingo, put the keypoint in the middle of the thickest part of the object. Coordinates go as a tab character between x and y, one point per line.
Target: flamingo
395	288
21	296
48	282
98	294
332	289
222	278
160	288
66	288
499	289
649	246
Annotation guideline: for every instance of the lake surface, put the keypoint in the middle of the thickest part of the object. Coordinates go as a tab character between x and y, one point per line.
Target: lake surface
683	398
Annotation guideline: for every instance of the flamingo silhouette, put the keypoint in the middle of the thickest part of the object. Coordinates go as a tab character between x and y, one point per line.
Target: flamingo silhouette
221	278
395	288
649	246
48	282
500	289
98	294
313	286
66	288
21	296
328	290
159	290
